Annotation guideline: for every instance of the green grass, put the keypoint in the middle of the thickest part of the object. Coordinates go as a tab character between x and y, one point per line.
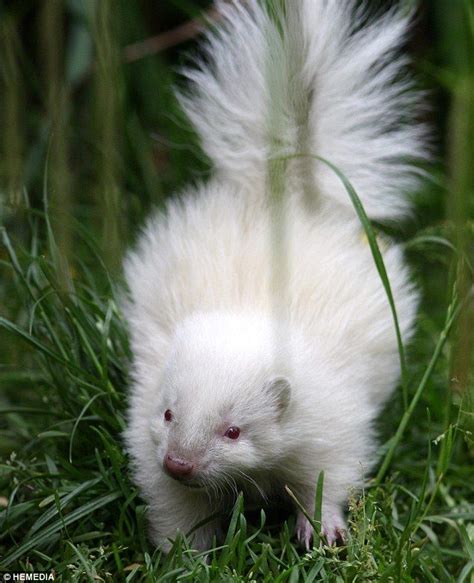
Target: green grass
71	506
66	499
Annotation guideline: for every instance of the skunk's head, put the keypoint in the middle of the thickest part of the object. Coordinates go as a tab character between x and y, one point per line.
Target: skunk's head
224	398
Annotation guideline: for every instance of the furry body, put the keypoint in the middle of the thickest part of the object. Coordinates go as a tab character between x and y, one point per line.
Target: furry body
272	318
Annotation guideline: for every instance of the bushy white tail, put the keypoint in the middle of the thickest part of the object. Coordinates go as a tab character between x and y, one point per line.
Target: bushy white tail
317	77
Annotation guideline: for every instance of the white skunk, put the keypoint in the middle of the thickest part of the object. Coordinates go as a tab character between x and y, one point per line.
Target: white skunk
264	345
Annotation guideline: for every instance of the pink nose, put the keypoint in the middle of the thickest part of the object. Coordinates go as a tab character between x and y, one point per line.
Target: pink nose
178	468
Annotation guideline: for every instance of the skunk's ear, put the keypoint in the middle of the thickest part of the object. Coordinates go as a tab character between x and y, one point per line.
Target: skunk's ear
279	388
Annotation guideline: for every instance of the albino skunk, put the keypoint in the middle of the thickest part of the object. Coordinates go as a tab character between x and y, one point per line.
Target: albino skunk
264	345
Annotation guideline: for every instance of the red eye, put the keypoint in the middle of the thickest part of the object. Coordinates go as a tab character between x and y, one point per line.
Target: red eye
232	433
168	415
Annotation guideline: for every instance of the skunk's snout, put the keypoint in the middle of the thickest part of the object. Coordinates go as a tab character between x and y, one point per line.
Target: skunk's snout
178	468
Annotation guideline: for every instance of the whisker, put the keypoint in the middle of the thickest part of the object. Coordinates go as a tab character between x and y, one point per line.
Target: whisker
254	483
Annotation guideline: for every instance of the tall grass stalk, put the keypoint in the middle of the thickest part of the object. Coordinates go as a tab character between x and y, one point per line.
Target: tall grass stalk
57	106
11	165
107	118
461	205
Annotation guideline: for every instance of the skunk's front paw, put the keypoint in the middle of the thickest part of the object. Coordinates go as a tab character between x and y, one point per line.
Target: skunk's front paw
304	531
333	529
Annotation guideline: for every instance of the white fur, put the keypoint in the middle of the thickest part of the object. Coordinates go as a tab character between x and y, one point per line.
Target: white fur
216	316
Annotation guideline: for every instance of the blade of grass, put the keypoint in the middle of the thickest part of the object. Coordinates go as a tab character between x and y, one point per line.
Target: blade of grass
78	420
11	327
45	535
376	254
451	317
64	501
